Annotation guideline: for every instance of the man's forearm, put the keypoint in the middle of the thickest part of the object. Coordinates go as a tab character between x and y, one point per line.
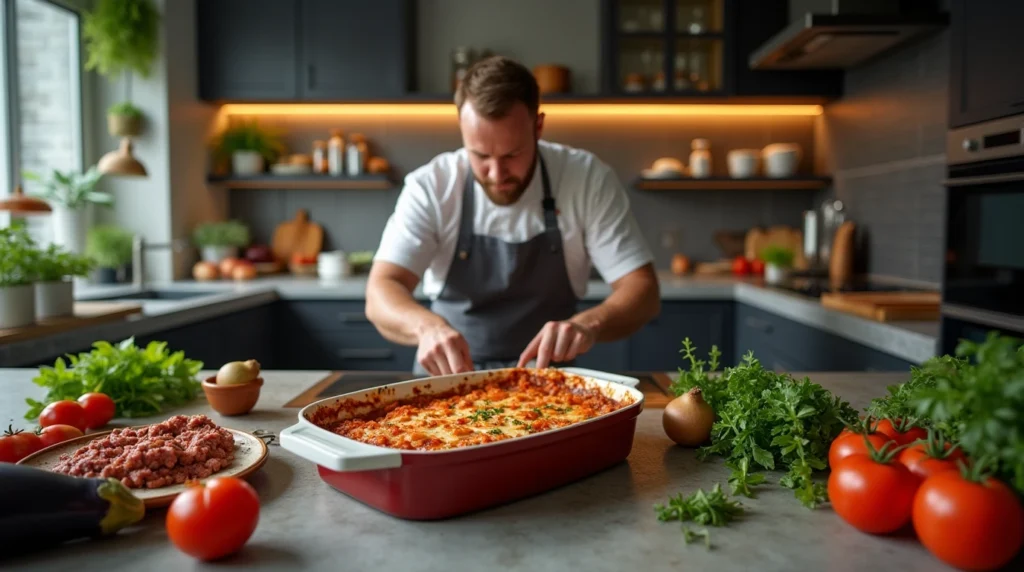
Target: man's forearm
397	315
636	302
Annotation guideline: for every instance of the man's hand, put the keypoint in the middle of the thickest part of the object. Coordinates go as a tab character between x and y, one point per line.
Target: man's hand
443	350
558	342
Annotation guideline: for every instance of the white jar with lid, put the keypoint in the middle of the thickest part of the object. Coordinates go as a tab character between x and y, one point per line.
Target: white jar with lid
700	159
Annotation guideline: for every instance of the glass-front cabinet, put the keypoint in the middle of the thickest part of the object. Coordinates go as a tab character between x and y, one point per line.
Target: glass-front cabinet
665	47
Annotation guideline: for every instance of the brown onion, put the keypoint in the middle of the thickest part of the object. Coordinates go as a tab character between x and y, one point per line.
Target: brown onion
688	418
238	372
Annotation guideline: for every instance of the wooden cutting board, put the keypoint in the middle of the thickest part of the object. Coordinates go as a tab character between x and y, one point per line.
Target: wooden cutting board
885	306
298	235
86	314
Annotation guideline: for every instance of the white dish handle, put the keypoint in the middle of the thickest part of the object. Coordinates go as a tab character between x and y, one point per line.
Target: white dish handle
613	377
337	454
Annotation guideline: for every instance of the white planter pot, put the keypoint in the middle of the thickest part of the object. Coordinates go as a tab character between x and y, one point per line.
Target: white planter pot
55	299
17	306
70	227
217	253
775	274
246	163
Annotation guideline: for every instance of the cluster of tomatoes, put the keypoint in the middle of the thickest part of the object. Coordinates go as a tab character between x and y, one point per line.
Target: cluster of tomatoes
59	421
891	475
742	266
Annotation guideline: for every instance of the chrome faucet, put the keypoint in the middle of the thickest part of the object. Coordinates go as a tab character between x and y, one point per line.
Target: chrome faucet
139	248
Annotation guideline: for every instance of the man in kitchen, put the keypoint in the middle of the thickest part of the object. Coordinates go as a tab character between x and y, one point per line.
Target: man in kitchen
503	232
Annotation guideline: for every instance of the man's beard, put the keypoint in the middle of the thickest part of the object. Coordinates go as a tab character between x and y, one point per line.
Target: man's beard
505	198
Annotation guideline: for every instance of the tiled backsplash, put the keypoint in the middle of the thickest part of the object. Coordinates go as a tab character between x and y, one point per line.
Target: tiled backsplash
353	220
885	145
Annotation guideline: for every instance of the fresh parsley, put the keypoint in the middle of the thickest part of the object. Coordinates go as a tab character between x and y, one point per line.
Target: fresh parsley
767	419
707	508
141	381
517	422
496	431
486	414
742	479
558	409
689	535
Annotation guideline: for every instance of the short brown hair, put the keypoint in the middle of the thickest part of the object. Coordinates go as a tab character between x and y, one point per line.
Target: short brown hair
495	84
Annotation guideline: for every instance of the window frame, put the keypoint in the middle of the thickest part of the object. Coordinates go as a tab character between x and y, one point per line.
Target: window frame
10	125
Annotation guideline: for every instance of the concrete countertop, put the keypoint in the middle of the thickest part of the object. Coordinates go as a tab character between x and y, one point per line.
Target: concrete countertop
604	522
912	341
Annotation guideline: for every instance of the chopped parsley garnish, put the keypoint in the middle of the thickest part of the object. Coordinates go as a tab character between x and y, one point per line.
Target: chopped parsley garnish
517	422
558	409
486	414
495	431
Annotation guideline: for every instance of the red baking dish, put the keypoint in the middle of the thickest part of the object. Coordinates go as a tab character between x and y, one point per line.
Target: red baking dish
428	485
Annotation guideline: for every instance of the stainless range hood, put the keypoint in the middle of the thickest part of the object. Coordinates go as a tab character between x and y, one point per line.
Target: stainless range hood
839	34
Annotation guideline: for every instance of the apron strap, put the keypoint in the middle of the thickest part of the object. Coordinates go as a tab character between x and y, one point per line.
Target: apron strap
464	246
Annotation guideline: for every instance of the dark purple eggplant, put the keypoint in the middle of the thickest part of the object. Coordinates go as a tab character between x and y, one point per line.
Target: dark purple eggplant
41	509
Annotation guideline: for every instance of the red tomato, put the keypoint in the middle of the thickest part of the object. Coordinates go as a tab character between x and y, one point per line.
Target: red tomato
902	438
917	459
15	445
99	409
873	497
853	444
757	267
740	265
54	434
65	412
214	519
969	525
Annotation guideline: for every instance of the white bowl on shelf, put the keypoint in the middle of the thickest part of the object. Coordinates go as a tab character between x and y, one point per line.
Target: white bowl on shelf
781	160
290	169
743	163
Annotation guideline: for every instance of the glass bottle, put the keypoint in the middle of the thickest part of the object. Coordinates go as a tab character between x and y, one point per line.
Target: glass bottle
336	153
320	156
700	159
462	58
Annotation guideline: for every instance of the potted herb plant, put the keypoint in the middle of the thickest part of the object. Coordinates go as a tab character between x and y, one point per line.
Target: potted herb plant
220	240
124	119
248	146
54	291
778	262
18	259
110	247
71	195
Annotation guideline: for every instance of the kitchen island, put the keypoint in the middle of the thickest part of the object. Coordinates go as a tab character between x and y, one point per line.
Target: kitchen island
604	522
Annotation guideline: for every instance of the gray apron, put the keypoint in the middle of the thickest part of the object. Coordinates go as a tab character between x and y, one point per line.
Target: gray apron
499	295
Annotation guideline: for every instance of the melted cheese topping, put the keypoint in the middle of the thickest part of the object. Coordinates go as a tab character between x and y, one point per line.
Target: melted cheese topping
494	412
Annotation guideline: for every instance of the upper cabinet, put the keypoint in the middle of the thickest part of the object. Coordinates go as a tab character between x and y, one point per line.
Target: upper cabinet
304	50
699	48
986	44
247	49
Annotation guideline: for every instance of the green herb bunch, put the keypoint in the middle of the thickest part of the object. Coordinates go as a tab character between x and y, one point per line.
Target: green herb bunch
19	257
707	508
109	245
125	109
72	190
778	255
248	136
977	398
142	381
121	35
55	264
770	420
227	233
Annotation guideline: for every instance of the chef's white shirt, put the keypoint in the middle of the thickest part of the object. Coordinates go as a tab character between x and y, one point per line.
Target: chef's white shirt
593	214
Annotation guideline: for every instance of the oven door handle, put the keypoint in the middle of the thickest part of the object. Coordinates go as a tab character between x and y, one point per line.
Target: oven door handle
984	180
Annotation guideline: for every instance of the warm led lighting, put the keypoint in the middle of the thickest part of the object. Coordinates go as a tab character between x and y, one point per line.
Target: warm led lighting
554	109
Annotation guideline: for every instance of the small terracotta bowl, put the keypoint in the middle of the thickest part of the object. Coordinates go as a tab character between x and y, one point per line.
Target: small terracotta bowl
232	399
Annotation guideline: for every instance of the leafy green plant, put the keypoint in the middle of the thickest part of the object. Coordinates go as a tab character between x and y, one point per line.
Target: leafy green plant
977	397
712	508
19	257
126	109
248	136
109	245
55	264
770	420
227	233
778	256
121	35
142	381
72	190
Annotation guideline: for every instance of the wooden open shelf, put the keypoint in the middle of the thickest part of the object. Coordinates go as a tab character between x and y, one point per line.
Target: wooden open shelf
325	182
730	184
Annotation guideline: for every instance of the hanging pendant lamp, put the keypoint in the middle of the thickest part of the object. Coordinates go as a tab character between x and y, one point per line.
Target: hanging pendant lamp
121	162
20	204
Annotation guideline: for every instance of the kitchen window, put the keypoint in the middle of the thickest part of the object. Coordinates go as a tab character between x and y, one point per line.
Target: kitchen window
41	123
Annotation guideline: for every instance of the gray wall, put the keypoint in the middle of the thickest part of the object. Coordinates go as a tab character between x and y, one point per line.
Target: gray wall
353	220
885	145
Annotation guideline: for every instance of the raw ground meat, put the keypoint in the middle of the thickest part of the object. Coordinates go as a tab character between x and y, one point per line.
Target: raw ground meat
179	449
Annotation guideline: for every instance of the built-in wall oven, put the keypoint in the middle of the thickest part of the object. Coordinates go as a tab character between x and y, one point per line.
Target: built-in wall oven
983	282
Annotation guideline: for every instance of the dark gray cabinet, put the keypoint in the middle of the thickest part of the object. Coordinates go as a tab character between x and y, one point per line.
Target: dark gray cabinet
658	345
247	49
784	345
986	44
304	50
